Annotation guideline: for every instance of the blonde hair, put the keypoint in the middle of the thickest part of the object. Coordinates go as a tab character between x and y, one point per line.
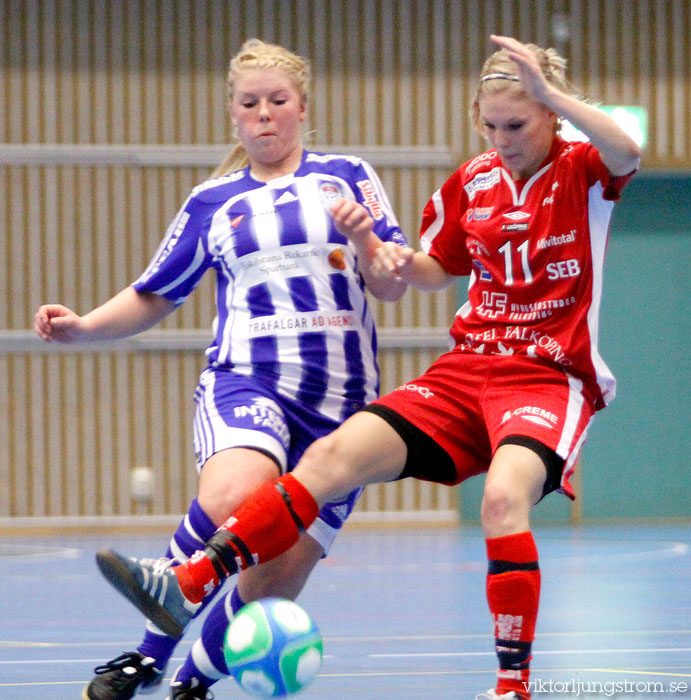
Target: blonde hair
501	73
255	53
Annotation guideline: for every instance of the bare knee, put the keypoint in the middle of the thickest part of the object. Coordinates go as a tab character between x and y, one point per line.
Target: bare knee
327	468
229	478
364	450
503	511
514	484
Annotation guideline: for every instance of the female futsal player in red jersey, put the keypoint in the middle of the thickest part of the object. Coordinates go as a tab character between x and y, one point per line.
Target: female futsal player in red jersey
513	399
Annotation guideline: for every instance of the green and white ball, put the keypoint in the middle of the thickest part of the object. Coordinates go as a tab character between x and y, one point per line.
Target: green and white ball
273	648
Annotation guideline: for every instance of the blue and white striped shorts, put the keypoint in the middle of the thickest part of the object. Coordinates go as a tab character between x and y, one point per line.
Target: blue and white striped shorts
237	411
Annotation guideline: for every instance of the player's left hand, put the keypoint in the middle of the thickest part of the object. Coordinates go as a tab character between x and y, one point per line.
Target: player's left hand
529	71
392	261
351	219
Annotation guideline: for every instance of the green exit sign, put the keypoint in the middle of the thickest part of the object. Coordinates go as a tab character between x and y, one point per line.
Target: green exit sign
632	120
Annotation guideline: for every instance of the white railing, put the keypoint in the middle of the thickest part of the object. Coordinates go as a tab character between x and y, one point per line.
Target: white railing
193	155
26	341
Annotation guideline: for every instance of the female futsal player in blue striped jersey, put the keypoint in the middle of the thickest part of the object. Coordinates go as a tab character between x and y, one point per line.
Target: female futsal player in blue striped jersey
294	345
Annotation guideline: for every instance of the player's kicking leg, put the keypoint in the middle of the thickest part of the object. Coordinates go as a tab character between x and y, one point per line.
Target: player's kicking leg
365	449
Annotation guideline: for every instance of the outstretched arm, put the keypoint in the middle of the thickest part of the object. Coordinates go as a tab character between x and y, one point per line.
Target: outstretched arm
618	151
416	268
129	312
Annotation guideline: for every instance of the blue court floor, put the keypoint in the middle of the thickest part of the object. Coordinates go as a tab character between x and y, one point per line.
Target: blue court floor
402	612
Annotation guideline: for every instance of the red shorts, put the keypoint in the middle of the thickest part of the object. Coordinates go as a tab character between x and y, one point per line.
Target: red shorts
469	403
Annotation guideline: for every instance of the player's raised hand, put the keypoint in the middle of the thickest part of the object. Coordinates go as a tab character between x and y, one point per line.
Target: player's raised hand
529	71
57	322
351	219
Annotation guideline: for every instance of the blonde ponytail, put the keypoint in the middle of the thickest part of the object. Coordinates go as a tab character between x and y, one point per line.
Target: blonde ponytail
235	160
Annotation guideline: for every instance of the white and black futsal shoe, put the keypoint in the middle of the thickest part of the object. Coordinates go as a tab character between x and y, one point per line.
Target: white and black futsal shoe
122	677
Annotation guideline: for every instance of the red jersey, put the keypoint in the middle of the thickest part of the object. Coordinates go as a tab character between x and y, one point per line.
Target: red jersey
534	250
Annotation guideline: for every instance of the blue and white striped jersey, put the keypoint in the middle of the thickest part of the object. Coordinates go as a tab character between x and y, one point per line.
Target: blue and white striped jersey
291	307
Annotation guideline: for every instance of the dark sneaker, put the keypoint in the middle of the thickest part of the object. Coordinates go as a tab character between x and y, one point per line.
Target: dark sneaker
188	691
152	587
121	678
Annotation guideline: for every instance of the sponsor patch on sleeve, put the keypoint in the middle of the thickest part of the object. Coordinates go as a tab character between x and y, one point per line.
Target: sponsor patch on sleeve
370	199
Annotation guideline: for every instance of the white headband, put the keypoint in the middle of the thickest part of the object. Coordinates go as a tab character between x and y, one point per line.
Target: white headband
498	76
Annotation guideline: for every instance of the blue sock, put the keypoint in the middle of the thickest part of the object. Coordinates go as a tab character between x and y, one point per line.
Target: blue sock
236	602
194	530
206	662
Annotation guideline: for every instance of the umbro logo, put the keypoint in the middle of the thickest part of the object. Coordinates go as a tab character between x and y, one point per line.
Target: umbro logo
517	215
285	198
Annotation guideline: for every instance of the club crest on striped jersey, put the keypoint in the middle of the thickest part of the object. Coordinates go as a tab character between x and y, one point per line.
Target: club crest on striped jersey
329	193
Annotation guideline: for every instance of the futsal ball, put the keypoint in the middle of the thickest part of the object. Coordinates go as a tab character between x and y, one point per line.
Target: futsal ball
273	648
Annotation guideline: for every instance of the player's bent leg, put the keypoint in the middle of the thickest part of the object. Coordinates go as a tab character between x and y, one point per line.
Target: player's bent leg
141	670
364	450
267	524
227	478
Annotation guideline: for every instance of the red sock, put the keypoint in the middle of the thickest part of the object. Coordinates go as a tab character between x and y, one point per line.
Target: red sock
513	594
197	577
267	524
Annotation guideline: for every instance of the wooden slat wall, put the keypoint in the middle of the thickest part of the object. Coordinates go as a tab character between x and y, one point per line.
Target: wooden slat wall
386	73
